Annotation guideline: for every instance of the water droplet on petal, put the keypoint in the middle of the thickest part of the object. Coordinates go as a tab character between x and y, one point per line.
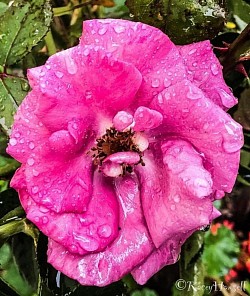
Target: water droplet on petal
104	231
13	141
70	64
31	145
102	30
192	51
232	140
30	161
155	82
59	74
119	29
214	69
45	220
34	189
167	82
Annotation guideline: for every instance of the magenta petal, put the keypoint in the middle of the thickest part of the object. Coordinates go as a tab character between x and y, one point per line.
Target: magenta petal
167	253
123	157
61	186
27	132
205	70
72	82
82	233
122	120
130	248
190	115
175	194
158	59
146	119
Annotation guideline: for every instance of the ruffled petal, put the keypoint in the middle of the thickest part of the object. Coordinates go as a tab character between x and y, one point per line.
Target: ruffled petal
205	71
158	59
60	183
71	81
130	248
175	191
90	231
27	132
190	115
167	254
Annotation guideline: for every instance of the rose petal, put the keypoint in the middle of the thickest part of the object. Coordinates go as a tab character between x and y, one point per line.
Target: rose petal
158	59
146	119
129	249
72	82
27	132
90	231
205	71
189	114
61	184
167	254
174	191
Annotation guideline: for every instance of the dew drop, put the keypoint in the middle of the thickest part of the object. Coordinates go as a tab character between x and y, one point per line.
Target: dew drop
214	69
30	161
88	94
192	51
59	74
167	82
31	145
102	30
155	82
119	29
13	142
71	65
34	189
45	220
104	231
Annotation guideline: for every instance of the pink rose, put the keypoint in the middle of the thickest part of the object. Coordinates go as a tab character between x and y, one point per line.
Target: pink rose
124	143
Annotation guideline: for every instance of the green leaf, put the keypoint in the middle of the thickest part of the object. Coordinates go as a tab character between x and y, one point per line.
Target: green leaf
144	292
17	260
184	21
191	278
220	252
22	26
7	165
241	9
12	92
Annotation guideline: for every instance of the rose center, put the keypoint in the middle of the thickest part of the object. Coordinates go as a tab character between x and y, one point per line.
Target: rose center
108	148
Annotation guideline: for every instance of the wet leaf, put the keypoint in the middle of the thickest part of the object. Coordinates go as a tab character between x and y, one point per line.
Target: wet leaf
18	265
242	115
184	21
7	165
191	268
220	252
22	26
12	92
144	292
241	9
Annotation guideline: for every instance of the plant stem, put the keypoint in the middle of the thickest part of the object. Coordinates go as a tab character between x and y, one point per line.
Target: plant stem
59	11
240	45
50	43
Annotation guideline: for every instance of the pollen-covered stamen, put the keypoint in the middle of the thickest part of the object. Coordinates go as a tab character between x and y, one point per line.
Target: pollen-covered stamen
114	141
